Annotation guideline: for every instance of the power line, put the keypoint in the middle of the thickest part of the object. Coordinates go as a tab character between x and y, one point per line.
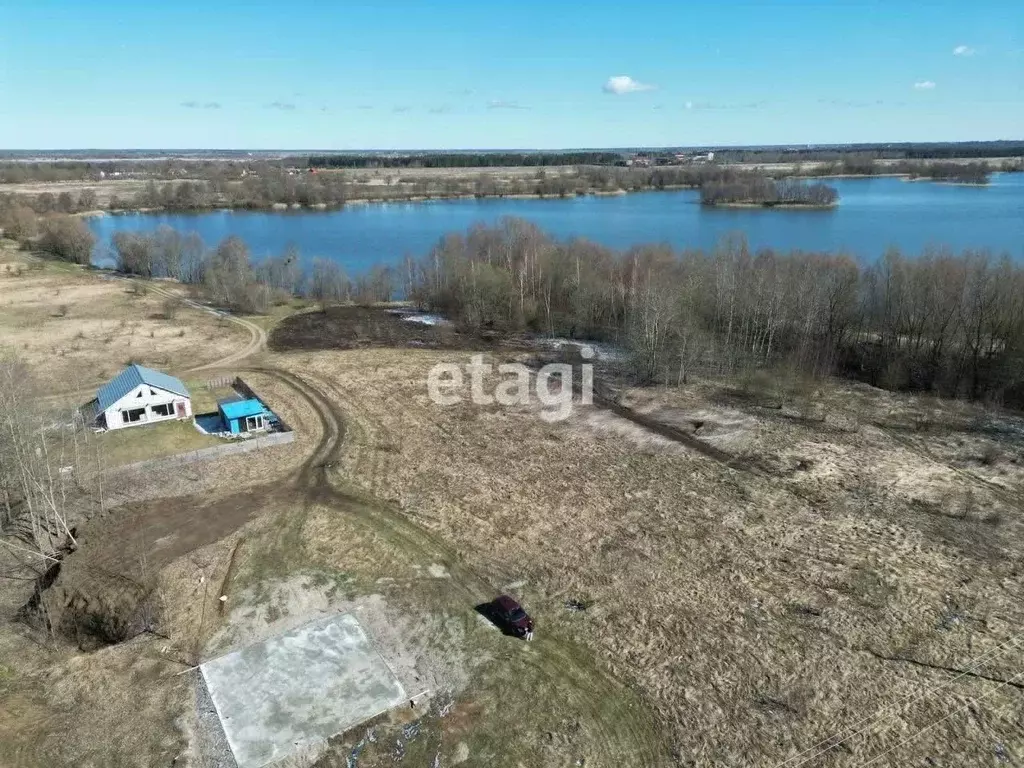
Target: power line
887	711
941	720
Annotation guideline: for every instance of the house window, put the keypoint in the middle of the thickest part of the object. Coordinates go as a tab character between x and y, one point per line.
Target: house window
164	409
134	415
253	423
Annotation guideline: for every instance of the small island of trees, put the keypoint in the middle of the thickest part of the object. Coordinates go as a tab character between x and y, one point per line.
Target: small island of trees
755	190
957	173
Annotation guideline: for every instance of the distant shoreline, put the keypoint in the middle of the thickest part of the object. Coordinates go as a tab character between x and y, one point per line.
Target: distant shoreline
446	196
771	206
296	207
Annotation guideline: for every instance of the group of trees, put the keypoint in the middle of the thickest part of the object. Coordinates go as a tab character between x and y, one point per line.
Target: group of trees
46	202
36	449
938	322
63	236
230	277
762	190
962	173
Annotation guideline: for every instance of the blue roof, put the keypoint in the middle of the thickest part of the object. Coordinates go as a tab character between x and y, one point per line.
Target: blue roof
239	409
130	378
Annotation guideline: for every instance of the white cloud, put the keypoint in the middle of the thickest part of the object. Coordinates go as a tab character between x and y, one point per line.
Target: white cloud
963	50
499	104
924	85
620	84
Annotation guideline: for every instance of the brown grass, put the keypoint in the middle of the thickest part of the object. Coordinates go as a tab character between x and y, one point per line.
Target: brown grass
734	616
103	325
750	609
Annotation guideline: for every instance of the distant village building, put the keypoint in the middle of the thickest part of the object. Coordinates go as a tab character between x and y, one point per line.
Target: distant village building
140	395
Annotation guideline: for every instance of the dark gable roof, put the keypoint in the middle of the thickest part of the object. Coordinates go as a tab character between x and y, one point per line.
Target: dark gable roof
130	378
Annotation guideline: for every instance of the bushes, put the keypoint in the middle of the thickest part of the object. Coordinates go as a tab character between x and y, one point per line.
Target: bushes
19	222
67	238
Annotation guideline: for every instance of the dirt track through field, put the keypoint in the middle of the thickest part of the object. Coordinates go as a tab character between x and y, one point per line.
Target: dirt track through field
623	730
257	336
166	529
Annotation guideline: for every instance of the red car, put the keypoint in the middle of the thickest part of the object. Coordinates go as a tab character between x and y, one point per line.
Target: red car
510	616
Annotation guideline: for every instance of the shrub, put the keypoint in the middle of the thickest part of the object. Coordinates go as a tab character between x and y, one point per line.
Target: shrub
67	238
170	308
19	223
990	455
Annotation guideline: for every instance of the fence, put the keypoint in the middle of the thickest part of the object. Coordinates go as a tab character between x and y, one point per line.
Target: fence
214	452
222	382
236	383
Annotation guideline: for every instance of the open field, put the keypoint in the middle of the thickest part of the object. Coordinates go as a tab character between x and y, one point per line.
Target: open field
837	576
105	189
758	612
76	329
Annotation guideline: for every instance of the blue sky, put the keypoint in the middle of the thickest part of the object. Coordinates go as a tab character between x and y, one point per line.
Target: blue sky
474	74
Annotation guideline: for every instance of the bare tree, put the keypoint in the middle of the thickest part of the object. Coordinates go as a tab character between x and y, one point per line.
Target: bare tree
33	468
328	283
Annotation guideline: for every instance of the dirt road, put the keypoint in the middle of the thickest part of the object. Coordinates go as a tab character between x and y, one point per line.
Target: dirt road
257	336
622	730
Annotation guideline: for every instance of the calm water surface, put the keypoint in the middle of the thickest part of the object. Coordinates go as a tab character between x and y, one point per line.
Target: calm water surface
873	214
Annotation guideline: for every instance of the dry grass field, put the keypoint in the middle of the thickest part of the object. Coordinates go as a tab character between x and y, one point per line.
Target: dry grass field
848	592
76	329
875	554
105	190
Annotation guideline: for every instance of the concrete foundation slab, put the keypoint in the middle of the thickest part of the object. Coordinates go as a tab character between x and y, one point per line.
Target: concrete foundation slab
299	688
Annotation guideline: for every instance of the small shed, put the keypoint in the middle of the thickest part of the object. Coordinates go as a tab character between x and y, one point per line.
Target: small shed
244	415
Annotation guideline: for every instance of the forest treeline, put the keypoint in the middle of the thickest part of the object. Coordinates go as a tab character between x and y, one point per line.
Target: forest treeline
765	191
938	321
867	153
465	159
867	159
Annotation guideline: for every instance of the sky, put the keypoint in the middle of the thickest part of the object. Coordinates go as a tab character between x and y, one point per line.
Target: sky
462	74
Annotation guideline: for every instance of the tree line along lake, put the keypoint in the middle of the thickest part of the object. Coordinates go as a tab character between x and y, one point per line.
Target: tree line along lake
873	215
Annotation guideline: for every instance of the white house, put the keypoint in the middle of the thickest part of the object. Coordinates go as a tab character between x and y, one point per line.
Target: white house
140	395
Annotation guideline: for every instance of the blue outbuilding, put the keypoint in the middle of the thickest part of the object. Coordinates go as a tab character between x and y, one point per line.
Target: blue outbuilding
244	415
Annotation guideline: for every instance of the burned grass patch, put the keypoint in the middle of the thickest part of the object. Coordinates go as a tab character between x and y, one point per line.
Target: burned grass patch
356	327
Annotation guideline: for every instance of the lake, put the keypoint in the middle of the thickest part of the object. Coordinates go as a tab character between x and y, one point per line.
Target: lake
873	214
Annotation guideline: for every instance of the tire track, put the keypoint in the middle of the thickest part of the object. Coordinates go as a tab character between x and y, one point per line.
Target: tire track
257	336
623	732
